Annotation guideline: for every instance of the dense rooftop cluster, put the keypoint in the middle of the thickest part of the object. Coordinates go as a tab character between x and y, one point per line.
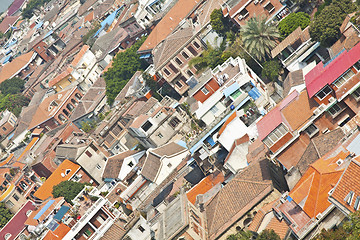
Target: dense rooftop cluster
179	119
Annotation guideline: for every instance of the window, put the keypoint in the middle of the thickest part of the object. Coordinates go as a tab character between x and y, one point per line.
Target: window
167	72
348	199
93	147
269	7
192	50
323	92
335	110
169	165
4	128
87	233
178	61
189	73
16	197
185	55
173	68
311	130
196	45
174	122
88	154
357	203
178	84
205	90
9	204
98	166
357	66
130	164
356	94
275	135
345	77
214	109
141	229
160	135
146	126
243	14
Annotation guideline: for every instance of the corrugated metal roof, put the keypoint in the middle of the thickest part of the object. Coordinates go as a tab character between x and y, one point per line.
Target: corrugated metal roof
322	75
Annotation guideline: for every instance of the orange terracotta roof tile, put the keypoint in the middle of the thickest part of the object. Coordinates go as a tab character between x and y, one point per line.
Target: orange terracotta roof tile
28	147
168	23
44	111
59	232
58	176
280	227
59	77
299	111
80	54
89	17
204	185
311	192
259	216
347	183
232	117
12	68
7	160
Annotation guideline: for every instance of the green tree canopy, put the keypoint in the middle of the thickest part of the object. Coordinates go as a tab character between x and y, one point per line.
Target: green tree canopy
12	86
292	22
67	189
31	6
268	235
325	27
350	230
13	102
5	215
259	37
271	70
217	22
124	65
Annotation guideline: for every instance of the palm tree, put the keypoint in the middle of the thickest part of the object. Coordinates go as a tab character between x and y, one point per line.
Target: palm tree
259	37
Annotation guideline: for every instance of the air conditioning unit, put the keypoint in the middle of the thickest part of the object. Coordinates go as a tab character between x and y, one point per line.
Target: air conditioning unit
256	2
240	17
332	99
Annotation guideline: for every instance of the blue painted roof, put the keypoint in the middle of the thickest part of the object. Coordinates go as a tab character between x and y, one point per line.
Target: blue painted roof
254	93
7	59
108	21
62	211
145	56
233	87
182	143
39	24
42	211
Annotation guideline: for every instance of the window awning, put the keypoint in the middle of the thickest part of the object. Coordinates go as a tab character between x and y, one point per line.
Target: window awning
62	211
42	211
233	87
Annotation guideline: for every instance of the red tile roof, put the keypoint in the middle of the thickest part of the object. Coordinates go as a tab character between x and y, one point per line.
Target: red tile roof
59	232
168	23
204	185
7	23
311	192
14	67
17	222
293	111
15	6
349	181
322	74
59	77
58	176
232	117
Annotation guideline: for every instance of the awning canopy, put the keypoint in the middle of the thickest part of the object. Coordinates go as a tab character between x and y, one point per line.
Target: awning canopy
42	211
62	211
